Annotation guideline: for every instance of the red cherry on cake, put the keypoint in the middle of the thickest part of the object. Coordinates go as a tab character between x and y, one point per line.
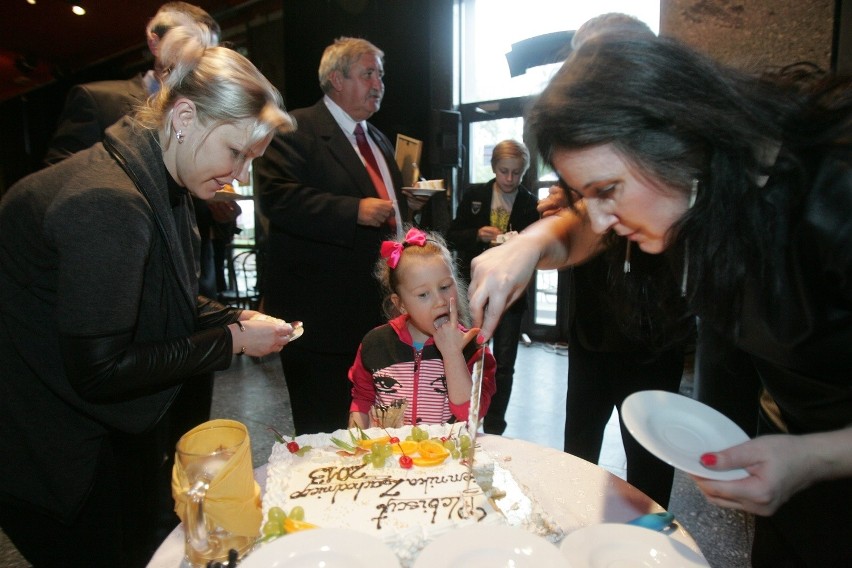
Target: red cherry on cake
394	440
293	446
405	462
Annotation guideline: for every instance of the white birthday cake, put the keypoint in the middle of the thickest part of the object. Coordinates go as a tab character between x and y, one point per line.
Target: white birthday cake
406	498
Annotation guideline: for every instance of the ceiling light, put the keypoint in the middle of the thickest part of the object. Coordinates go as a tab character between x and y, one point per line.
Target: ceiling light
78	10
31	1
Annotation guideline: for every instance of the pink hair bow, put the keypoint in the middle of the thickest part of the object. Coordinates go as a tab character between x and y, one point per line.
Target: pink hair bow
392	250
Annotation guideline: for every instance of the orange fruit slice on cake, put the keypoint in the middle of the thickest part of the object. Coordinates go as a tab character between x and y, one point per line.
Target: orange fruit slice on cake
367	444
292	525
407	447
431	449
422	461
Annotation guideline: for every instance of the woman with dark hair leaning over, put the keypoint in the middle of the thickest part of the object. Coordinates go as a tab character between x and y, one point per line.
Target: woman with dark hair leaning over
745	184
100	321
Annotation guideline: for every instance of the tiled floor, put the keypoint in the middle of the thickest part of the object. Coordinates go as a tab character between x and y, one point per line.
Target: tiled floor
253	392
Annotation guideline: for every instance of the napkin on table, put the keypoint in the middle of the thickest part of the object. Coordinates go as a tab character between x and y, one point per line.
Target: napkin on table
233	499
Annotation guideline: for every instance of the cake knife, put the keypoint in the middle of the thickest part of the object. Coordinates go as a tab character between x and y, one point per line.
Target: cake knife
473	412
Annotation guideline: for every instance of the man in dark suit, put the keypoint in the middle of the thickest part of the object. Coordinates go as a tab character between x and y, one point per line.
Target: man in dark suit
91	107
328	212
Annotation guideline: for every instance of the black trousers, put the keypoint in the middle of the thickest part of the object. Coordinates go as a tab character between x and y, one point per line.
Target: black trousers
505	349
123	520
319	388
599	381
725	379
813	529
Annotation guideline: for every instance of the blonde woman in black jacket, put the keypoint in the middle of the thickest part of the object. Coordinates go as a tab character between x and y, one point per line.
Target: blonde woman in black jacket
100	321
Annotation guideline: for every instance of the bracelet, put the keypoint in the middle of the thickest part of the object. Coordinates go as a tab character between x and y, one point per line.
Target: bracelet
242	329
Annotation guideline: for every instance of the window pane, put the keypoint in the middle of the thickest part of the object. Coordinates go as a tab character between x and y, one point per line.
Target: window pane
483	137
490	27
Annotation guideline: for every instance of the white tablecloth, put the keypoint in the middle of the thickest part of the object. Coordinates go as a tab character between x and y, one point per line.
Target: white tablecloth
571	491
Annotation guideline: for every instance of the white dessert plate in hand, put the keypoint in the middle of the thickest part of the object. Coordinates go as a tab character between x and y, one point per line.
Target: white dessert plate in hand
481	546
229	196
424	191
298	330
328	548
614	544
678	430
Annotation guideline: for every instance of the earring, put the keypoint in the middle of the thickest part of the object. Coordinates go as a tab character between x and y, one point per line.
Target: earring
627	258
179	136
693	193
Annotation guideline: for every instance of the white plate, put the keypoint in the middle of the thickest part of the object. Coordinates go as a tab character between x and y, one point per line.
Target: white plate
229	196
612	544
297	332
424	191
327	548
483	546
678	429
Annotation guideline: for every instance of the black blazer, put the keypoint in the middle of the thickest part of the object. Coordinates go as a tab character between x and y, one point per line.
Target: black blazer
89	109
320	261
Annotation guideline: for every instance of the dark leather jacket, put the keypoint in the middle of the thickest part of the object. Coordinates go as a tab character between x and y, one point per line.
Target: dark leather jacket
100	321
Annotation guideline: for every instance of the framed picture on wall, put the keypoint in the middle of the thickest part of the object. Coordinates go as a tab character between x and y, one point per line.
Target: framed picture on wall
408	158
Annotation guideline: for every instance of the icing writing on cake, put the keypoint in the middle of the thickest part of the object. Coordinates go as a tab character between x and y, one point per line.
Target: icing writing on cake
348	482
405	508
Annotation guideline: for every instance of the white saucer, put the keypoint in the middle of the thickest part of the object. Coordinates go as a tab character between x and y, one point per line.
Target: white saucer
613	544
297	333
329	548
424	191
483	546
678	430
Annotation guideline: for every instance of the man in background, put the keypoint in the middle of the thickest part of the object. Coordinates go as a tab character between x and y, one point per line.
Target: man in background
91	107
331	191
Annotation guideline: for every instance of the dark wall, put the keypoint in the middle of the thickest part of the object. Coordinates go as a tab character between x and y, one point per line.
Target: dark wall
27	122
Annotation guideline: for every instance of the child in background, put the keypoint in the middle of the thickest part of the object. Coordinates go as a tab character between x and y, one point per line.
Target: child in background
424	354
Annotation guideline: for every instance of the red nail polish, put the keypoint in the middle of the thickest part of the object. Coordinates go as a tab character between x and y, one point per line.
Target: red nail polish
708	459
480	339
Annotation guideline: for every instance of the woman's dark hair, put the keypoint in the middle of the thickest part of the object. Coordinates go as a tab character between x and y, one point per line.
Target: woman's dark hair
677	116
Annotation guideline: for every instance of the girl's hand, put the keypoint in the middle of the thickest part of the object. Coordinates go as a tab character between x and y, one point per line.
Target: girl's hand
359	419
780	466
260	336
449	339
